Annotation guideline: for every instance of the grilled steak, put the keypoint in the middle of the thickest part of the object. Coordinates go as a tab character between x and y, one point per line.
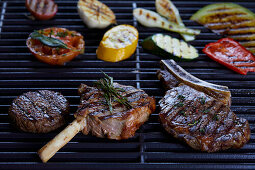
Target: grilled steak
39	112
196	114
121	123
203	122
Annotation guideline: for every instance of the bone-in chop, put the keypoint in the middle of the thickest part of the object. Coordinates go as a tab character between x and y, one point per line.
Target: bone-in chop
198	112
94	116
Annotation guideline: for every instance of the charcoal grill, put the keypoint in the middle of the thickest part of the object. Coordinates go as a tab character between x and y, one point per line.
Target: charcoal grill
151	147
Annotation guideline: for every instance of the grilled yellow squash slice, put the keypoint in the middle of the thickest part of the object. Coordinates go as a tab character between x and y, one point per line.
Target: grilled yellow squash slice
95	14
231	20
118	43
167	9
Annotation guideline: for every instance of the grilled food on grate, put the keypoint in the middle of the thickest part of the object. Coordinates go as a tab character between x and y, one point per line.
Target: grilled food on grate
200	118
55	46
231	20
94	116
167	9
39	112
118	43
95	14
42	9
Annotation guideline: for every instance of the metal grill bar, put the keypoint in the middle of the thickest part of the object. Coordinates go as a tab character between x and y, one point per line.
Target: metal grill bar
151	147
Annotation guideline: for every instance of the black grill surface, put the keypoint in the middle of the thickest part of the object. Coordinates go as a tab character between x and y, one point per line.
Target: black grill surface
151	147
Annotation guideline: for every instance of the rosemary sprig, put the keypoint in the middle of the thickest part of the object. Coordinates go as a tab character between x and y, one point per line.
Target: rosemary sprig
111	93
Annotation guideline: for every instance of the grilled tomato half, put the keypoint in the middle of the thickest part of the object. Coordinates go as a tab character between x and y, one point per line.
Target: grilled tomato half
42	9
55	46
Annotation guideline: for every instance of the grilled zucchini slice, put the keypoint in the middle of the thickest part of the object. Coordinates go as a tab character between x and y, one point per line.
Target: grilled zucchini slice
152	19
167	9
168	47
231	20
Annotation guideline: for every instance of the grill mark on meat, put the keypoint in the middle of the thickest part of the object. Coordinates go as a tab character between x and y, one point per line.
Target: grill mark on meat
50	102
41	110
122	122
199	129
31	111
24	112
55	98
20	110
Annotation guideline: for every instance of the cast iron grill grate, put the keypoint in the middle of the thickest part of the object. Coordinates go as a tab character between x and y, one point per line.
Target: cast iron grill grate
152	146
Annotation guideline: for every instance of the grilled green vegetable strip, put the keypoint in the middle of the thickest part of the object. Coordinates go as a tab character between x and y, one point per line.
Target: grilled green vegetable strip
167	9
166	46
152	19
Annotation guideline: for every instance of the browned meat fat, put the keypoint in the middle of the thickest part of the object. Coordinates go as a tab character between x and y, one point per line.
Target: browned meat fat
39	112
202	121
121	123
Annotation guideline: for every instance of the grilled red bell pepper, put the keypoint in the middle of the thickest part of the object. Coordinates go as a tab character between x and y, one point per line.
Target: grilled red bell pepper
231	54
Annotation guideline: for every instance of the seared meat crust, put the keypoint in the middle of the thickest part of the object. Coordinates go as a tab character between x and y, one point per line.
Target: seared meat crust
39	112
121	123
202	121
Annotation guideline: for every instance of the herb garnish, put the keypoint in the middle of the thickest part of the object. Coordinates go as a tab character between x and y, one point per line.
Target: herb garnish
202	130
180	97
206	110
51	32
202	100
62	34
183	112
194	123
111	93
215	117
180	104
49	41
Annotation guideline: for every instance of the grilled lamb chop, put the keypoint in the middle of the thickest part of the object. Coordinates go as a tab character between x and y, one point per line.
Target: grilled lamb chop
93	116
39	112
121	123
198	117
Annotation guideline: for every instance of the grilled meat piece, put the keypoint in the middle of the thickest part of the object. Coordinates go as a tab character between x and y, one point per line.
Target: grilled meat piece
121	123
167	79
39	112
172	74
202	121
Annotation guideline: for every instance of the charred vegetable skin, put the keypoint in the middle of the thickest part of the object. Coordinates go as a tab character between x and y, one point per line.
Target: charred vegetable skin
231	54
168	47
152	19
42	9
95	14
230	19
167	9
55	46
118	43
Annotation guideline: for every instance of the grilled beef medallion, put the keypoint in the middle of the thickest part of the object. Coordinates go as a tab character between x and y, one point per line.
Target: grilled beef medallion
198	112
203	122
39	112
122	122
